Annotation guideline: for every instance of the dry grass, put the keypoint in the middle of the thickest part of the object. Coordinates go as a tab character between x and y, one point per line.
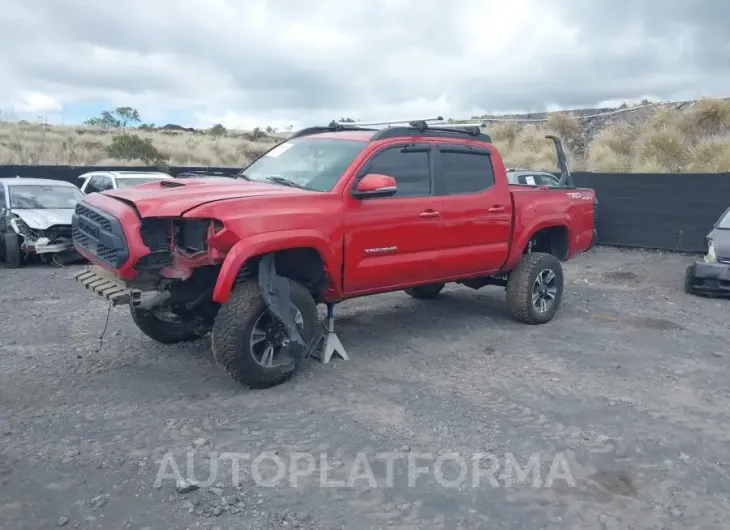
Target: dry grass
683	137
40	144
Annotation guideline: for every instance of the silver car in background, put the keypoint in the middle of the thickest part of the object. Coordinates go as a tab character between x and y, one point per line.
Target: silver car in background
35	219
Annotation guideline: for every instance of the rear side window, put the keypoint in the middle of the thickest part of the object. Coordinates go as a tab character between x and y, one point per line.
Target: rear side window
410	169
465	172
2	197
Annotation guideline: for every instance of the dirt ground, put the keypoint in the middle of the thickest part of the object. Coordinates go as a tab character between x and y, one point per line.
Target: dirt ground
622	402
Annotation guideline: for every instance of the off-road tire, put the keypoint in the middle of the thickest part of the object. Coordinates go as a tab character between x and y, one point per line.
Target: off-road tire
688	288
160	330
429	291
520	284
13	256
234	323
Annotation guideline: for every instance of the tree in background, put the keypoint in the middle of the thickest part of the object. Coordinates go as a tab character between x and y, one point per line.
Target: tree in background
119	118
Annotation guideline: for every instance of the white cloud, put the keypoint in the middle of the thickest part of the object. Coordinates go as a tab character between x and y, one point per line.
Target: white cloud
32	102
281	62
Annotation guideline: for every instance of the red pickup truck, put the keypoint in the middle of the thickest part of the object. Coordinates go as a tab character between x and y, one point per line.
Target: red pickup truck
330	214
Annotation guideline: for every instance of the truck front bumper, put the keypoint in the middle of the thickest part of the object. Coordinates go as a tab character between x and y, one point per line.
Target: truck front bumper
104	284
112	288
709	278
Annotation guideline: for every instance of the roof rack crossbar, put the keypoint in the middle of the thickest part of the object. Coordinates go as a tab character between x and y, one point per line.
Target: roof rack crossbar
392	129
433	131
389	122
332	127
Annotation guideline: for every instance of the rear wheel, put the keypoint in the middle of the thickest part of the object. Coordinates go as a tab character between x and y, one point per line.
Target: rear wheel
12	255
162	326
250	343
431	290
535	288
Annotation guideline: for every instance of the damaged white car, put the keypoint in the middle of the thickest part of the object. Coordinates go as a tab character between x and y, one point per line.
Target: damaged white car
35	219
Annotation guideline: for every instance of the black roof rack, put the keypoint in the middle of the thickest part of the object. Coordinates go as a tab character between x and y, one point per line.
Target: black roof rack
423	128
332	127
394	129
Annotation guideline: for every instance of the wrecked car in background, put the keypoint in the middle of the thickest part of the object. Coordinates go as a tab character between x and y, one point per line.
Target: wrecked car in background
711	277
35	219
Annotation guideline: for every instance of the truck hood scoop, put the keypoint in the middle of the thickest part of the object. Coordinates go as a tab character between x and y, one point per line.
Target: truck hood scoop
169	183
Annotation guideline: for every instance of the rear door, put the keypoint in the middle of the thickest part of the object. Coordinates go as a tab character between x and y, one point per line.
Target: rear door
476	211
393	241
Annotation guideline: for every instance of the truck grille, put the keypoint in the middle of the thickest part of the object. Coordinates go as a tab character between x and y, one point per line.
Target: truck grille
100	234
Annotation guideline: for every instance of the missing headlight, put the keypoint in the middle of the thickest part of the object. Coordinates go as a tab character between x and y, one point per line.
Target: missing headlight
192	234
21	228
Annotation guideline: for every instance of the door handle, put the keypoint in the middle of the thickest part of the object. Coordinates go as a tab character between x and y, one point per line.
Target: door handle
429	214
496	209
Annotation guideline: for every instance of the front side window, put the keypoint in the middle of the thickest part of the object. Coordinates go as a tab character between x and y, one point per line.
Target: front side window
43	197
410	169
93	185
105	183
311	163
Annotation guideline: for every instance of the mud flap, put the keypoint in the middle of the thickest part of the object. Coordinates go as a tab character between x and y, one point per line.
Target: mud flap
276	292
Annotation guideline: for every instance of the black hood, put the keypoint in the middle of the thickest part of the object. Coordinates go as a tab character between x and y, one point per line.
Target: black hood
721	238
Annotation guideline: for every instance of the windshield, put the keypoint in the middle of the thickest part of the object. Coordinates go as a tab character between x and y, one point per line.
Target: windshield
312	163
724	222
43	197
123	182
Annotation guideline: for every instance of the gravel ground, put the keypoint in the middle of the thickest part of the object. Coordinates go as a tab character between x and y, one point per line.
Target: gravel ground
623	398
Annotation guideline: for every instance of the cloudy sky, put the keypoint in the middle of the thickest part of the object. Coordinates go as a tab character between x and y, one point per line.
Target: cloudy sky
248	63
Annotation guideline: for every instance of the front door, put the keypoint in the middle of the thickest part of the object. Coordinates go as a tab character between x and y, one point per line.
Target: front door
477	211
393	242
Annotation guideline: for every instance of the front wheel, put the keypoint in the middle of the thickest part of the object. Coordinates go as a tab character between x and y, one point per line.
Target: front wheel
161	326
12	255
535	288
249	343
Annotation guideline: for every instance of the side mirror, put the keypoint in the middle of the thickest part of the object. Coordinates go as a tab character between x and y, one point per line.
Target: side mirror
375	186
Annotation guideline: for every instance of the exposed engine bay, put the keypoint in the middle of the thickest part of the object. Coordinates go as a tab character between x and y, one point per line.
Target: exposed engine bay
54	239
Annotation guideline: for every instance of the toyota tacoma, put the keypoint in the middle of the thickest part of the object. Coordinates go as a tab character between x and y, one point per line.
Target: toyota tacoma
332	213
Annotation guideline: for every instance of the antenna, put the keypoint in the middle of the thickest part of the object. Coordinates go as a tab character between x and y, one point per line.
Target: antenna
389	122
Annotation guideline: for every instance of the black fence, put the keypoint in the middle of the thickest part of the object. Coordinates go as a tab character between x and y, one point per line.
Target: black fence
644	210
656	210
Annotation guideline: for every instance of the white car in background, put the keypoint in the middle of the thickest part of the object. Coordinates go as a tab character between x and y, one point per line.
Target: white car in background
97	181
